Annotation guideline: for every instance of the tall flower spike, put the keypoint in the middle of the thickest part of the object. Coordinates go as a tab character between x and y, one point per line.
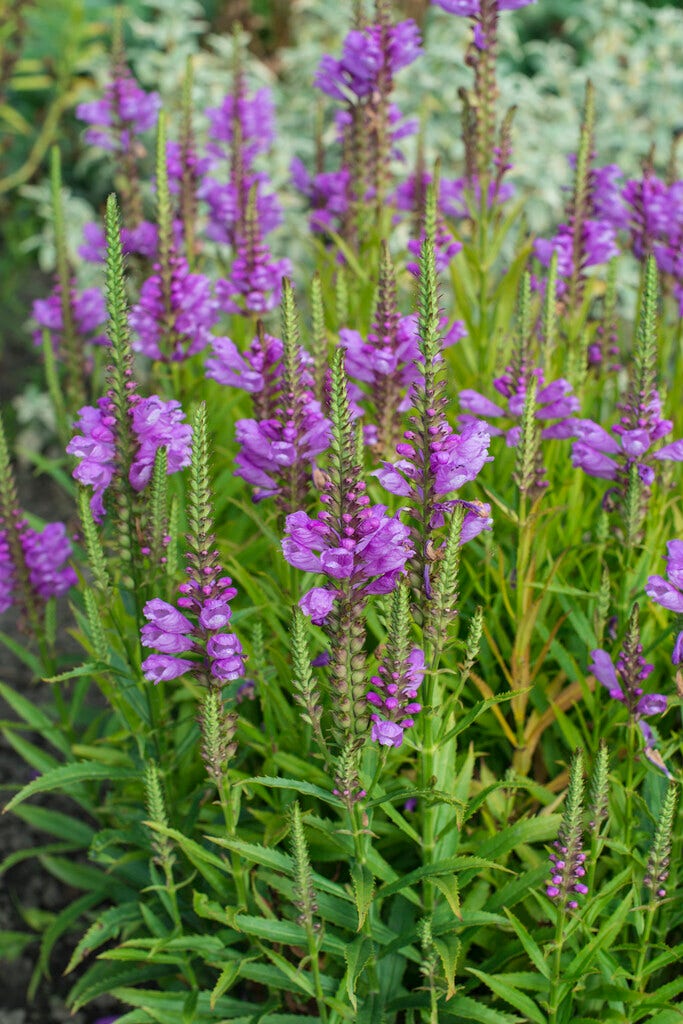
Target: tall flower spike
400	673
121	381
435	461
624	681
630	459
567	859
658	862
307	695
360	550
598	806
32	564
176	311
278	450
669	592
73	356
216	654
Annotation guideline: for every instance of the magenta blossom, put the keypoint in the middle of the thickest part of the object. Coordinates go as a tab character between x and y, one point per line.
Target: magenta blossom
669	592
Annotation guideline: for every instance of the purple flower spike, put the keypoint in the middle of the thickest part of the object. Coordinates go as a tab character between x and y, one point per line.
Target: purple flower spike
174	326
156	424
472	8
624	680
669	592
44	554
89	316
125	112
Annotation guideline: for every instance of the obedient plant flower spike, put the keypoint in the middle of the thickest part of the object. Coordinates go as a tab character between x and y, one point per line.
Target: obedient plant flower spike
382	150
656	875
157	518
121	381
166	247
580	207
346	497
642	388
529	470
566	869
69	342
307	695
598	808
200	507
11	521
293	494
485	88
443	608
306	903
658	862
320	342
399	676
549	314
188	177
156	813
568	858
218	728
131	193
97	561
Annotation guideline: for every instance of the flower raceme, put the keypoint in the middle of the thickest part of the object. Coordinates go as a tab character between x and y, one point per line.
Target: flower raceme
171	633
184	328
45	553
156	424
393	696
554	401
369	553
472	8
669	592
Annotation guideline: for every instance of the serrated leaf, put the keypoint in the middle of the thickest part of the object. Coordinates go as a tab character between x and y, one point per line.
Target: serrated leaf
63	826
519	1000
363	890
287	932
108	925
226	979
302	980
531	948
297	785
449	952
357	954
450	865
451	890
473	1010
254	853
581	962
33	716
101	979
68	774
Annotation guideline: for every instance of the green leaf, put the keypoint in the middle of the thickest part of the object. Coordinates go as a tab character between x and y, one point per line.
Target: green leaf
20	652
363	891
449	952
472	1010
531	949
296	785
66	775
226	979
108	925
448	866
210	866
63	826
12	944
102	978
33	716
451	890
300	979
61	924
287	932
582	961
511	995
254	853
357	954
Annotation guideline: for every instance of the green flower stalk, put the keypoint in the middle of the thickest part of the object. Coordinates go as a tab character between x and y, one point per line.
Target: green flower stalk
71	350
654	880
